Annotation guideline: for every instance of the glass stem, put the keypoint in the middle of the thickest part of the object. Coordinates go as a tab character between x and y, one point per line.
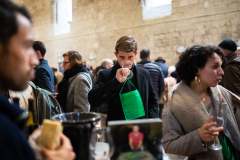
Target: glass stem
214	142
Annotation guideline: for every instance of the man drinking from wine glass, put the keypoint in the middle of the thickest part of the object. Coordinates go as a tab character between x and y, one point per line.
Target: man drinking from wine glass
115	82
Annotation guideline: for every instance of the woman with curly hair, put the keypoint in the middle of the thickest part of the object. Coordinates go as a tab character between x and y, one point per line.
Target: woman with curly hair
187	122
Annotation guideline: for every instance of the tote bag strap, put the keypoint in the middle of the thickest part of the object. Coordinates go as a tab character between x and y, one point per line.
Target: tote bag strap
124	84
220	99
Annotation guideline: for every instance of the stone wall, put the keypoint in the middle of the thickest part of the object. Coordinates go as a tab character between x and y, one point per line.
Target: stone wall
97	24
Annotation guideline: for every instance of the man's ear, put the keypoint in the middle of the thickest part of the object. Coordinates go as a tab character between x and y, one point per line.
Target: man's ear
115	54
136	53
38	53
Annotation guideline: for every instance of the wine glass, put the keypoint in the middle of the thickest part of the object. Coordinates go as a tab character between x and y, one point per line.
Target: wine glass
128	64
218	118
101	143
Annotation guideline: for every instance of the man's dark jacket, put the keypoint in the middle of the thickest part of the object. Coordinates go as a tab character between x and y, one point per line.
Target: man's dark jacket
231	77
156	76
163	67
13	143
44	76
104	107
107	88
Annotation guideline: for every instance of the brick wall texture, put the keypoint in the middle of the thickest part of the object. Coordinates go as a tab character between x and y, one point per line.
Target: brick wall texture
97	24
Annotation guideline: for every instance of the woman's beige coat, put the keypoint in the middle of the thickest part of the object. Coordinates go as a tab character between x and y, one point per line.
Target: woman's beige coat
185	114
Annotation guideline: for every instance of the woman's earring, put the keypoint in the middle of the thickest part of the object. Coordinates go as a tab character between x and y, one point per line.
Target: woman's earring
196	78
199	80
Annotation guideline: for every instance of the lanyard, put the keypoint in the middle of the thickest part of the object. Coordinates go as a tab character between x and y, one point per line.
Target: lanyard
208	110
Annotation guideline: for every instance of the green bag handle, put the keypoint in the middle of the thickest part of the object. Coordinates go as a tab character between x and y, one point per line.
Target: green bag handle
124	84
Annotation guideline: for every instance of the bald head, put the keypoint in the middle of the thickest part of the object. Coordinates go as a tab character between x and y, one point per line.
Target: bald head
107	63
238	50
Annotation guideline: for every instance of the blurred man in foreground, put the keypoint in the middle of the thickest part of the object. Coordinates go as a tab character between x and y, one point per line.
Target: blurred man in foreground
16	63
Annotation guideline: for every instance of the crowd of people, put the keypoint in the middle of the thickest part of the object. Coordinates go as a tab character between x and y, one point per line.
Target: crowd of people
205	78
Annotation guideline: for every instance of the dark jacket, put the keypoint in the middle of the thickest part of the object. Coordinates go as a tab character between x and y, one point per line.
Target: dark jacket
104	107
107	88
156	76
13	144
44	76
231	78
163	67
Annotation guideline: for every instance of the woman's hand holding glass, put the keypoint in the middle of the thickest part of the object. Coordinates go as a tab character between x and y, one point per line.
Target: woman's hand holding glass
218	119
207	133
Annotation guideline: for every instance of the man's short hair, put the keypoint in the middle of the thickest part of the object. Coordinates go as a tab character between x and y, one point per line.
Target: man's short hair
105	62
126	44
145	53
39	46
9	25
171	69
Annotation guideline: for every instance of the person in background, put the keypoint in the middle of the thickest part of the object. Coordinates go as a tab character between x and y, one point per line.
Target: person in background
114	61
135	138
89	68
16	63
106	63
187	119
238	50
155	73
23	96
44	74
169	82
175	75
161	63
75	85
58	76
231	79
55	81
103	109
95	71
110	82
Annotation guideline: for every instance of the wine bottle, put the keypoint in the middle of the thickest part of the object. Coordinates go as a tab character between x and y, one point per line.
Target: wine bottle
32	122
16	101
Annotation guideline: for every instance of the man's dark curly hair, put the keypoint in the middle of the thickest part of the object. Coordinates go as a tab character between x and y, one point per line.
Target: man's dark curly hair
193	58
9	25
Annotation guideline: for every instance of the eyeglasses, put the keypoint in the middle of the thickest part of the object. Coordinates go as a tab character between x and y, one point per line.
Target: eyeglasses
65	62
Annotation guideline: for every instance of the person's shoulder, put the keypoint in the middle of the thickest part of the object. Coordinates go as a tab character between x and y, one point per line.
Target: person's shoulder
233	67
223	90
106	72
235	60
143	70
83	76
8	129
130	134
151	65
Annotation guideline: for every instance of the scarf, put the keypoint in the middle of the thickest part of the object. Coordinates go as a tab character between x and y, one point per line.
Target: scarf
63	85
